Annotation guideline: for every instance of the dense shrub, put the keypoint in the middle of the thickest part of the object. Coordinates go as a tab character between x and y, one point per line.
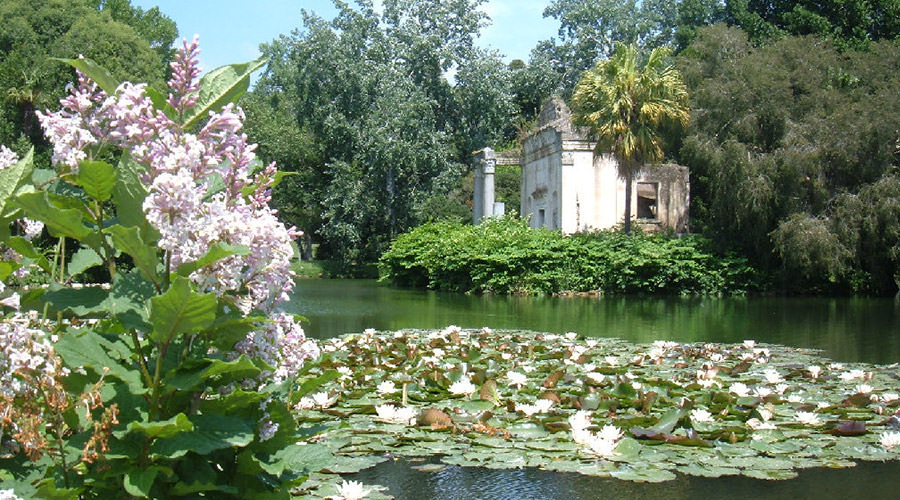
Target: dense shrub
505	256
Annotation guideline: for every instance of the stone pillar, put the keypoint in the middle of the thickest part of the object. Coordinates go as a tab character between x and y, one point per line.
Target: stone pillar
484	184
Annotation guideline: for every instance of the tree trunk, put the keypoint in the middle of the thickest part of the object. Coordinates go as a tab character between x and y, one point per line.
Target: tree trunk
628	178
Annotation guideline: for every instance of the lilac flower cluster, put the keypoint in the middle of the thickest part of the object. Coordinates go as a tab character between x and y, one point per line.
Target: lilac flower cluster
25	351
202	190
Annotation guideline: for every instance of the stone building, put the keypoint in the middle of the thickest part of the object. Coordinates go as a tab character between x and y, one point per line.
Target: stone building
564	187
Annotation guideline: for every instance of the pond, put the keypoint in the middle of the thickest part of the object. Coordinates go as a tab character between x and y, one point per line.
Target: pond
846	329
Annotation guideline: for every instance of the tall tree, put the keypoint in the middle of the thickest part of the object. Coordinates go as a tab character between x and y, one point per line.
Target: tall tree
396	130
627	105
34	31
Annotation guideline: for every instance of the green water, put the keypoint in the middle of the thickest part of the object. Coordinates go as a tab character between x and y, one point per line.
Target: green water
846	329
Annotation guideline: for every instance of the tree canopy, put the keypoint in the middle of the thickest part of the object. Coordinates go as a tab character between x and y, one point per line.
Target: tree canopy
396	101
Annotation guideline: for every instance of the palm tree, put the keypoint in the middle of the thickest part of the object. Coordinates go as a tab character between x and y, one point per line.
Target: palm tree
626	108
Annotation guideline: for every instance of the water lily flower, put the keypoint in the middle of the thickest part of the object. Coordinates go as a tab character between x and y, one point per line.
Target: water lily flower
740	389
602	447
323	400
487	331
589	367
391	414
807	418
762	392
772	376
352	490
795	398
890	439
717	357
462	387
765	413
571	336
611	360
580	420
610	433
305	403
701	415
887	397
707	383
758	425
345	371
781	388
527	368
749	344
539	406
852	375
814	370
864	388
596	378
386	387
517	379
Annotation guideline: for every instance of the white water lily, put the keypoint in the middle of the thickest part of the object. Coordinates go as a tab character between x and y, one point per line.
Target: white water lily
772	376
595	377
392	414
795	398
762	392
611	360
749	344
765	413
589	367
707	383
539	406
352	490
758	425
462	387
602	447
781	388
740	389
890	439
814	370
852	375
323	400
387	387
807	418
701	415
517	379
864	388
305	403
887	397
345	371
610	433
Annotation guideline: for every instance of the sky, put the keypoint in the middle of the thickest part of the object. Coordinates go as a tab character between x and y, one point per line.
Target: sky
231	30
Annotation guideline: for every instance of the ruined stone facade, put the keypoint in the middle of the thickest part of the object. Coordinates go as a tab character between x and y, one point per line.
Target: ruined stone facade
564	187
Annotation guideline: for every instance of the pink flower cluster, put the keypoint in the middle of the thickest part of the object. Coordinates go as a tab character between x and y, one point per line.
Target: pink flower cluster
24	350
198	185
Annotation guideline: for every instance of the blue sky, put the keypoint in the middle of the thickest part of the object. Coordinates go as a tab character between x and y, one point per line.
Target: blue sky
231	30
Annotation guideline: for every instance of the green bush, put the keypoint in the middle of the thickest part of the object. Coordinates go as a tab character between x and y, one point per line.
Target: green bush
505	256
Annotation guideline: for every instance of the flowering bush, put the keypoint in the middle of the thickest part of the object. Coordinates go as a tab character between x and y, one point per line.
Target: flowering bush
175	377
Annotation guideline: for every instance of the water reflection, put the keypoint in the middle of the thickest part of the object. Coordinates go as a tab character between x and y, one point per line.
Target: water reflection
870	480
847	329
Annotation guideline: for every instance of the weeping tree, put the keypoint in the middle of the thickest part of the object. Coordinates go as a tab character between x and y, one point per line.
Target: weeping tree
627	106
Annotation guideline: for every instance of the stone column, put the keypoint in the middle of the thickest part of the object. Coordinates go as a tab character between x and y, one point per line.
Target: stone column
484	184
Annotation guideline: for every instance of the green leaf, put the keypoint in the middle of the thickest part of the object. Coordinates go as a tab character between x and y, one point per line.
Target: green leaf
81	301
667	422
139	482
97	178
175	426
180	310
216	252
93	71
210	433
223	371
26	249
129	193
313	384
160	101
221	86
130	293
129	240
13	177
309	457
91	350
59	221
84	258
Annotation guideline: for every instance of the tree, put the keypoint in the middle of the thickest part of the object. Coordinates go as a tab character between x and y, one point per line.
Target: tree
626	106
33	32
395	130
786	145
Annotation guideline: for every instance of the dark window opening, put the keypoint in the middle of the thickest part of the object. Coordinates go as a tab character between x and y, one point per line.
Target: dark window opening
647	195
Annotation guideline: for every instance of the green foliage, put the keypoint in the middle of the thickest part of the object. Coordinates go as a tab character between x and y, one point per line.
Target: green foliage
388	132
784	141
505	256
134	45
